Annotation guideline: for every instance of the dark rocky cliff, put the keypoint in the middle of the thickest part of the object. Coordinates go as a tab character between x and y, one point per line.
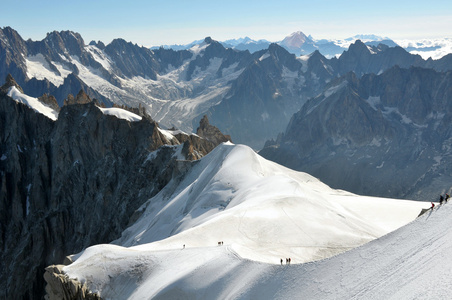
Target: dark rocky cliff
72	183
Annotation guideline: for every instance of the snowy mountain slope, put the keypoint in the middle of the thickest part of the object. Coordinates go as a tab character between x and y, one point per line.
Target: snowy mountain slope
411	263
235	188
260	210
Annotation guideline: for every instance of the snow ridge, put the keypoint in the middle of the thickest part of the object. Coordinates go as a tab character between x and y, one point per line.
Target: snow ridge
33	103
262	212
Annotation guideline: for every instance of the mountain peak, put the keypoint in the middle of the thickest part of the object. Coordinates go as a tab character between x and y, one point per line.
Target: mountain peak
358	47
297	33
295	40
65	35
9	82
358	43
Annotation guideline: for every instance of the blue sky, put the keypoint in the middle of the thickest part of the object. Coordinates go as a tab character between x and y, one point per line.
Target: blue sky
151	23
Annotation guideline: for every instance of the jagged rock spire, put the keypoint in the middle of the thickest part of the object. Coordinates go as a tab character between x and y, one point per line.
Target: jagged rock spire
81	98
211	132
9	82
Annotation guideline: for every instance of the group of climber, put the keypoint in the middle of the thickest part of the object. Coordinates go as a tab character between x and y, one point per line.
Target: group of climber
288	260
442	199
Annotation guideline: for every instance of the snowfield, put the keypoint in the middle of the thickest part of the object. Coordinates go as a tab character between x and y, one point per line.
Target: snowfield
221	232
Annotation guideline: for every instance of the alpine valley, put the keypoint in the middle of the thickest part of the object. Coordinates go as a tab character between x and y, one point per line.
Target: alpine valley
107	192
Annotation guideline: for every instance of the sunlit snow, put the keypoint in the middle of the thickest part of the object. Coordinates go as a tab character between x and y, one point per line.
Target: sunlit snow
205	235
197	49
33	103
39	68
121	114
264	56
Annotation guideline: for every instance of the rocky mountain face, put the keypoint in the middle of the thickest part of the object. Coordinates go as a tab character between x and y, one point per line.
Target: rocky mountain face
12	48
250	96
265	95
384	135
62	181
213	50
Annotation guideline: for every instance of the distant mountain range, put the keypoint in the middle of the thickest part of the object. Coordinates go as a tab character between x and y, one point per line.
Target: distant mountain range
300	44
250	96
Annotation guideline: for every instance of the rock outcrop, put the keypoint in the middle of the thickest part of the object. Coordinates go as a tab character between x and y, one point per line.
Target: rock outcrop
9	82
62	287
50	101
211	132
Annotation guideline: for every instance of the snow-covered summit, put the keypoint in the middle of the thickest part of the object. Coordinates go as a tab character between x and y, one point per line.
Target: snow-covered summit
295	40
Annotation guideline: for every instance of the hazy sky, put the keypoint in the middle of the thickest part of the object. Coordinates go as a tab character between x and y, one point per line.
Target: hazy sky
151	23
